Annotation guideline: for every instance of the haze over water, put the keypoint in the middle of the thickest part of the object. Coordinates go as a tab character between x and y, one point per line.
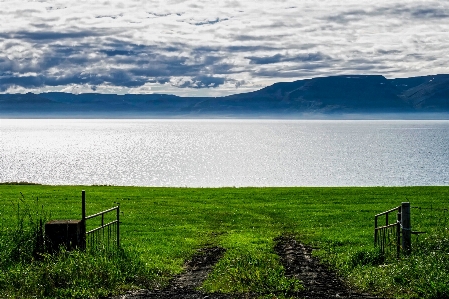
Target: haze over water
215	153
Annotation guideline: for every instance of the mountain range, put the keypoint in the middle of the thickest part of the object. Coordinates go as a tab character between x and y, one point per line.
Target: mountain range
322	96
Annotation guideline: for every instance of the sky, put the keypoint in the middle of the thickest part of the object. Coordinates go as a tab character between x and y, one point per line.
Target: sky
214	48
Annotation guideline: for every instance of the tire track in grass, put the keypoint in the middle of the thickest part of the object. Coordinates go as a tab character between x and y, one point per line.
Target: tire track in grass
317	279
185	284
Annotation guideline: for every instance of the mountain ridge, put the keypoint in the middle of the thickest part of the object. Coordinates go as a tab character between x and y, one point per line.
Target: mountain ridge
334	95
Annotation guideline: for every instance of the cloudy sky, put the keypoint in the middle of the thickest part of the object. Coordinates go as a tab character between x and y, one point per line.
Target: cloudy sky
213	48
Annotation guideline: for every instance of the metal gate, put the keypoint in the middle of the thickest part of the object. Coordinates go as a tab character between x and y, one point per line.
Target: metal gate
105	235
392	237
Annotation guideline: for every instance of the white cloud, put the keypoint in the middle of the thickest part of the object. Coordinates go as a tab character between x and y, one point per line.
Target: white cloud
185	47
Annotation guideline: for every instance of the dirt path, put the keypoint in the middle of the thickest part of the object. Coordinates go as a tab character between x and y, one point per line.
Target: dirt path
184	285
297	260
319	282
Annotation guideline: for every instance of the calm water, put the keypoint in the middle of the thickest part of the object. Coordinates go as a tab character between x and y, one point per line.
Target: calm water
225	152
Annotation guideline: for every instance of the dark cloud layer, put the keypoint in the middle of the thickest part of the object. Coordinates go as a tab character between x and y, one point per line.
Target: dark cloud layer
45	36
311	57
142	65
394	11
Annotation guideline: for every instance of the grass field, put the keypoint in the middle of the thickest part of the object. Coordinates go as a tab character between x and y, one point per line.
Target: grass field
162	227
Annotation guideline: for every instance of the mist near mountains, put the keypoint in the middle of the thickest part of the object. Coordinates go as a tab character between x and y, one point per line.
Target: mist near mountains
349	96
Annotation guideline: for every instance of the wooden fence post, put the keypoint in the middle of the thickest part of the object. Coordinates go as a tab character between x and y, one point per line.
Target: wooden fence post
406	228
375	231
83	219
398	232
118	226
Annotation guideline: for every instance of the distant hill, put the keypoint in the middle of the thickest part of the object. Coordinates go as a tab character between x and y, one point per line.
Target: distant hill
330	96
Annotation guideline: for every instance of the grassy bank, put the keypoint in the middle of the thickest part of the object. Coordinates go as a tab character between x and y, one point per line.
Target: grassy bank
161	227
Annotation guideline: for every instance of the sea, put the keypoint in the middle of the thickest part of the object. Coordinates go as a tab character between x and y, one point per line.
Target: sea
225	152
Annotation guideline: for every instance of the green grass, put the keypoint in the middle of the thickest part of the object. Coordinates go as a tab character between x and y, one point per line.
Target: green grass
161	227
75	275
253	270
